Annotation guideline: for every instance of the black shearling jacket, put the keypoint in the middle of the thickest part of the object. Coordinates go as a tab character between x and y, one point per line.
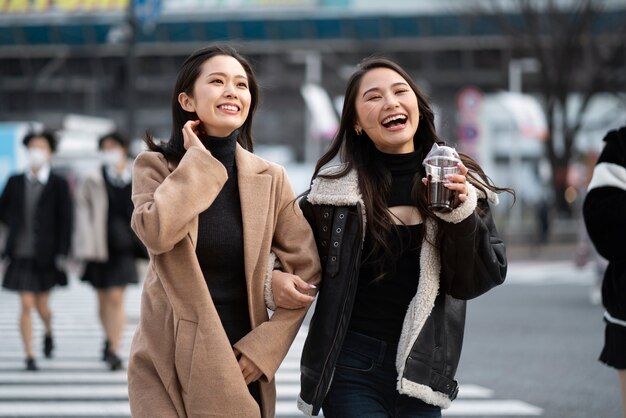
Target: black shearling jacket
471	261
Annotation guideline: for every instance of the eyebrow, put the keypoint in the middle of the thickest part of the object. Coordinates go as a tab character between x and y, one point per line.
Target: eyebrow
226	75
399	83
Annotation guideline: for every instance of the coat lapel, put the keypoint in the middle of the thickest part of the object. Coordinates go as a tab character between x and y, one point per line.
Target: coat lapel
255	196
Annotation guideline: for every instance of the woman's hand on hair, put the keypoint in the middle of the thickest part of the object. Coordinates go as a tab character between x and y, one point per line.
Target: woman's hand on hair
290	291
190	136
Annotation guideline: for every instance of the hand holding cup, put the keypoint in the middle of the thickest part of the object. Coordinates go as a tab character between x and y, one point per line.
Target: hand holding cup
445	178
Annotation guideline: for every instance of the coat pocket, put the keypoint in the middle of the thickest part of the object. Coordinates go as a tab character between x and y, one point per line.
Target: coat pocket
183	353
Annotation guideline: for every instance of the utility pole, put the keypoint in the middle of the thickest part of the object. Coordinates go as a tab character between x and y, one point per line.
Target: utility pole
131	68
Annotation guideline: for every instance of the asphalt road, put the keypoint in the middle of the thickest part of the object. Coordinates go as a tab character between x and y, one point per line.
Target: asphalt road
537	340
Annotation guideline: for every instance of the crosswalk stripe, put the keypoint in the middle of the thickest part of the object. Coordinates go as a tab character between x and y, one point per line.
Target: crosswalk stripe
65	392
92	354
287	408
474	391
493	407
63	337
65	409
288	377
291	363
287	390
284	389
41	377
549	273
57	365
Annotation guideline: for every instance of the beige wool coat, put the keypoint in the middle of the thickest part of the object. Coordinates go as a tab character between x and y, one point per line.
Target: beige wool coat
181	362
89	239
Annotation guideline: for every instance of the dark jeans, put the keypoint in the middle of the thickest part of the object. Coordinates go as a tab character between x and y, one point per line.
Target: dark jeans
364	384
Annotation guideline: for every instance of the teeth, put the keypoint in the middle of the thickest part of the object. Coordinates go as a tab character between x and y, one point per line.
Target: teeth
228	107
393	117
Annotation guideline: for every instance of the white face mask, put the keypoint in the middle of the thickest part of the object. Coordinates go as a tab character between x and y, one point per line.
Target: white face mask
36	158
111	157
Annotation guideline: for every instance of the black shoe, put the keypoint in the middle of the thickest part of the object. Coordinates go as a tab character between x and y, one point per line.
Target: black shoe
31	366
115	363
48	345
105	352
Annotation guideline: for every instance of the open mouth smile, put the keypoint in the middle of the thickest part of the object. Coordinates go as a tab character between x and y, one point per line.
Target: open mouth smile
395	121
229	108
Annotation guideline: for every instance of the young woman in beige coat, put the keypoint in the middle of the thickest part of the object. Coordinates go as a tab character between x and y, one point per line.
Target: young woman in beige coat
103	240
216	220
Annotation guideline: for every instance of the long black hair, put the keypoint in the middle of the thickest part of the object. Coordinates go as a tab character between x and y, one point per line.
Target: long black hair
357	151
189	72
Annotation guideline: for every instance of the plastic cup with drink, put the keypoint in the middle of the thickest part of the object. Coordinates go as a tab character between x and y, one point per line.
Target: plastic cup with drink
439	163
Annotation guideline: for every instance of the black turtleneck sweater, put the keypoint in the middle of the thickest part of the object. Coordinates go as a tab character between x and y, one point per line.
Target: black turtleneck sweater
220	245
381	303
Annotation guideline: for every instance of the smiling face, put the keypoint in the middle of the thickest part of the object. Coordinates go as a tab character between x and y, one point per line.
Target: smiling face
221	96
387	111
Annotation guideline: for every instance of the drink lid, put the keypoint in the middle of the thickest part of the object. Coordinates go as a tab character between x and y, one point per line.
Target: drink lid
442	154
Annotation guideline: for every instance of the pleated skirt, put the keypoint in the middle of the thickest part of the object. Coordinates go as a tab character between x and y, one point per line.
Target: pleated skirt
117	272
614	350
23	275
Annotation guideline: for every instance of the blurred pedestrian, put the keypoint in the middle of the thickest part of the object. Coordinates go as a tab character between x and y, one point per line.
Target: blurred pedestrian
104	240
210	213
37	208
386	335
605	217
542	215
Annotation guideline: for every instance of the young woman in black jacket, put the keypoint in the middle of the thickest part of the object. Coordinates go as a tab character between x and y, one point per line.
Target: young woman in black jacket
37	208
386	335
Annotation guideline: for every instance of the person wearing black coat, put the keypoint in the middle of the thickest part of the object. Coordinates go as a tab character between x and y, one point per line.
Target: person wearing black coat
37	208
604	212
386	335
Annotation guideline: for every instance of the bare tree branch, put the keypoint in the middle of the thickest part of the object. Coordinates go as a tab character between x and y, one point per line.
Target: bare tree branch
578	56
